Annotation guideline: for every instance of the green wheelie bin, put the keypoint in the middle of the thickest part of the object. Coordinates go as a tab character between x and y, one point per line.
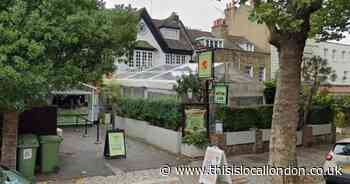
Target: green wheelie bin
26	156
50	146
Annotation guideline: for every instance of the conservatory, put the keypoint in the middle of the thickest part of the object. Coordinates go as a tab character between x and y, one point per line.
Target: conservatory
160	81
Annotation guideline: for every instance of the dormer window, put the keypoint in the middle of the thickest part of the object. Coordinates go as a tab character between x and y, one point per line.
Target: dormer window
247	47
250	47
211	42
170	33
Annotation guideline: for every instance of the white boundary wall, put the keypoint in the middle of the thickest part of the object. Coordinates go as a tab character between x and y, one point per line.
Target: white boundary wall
163	138
242	137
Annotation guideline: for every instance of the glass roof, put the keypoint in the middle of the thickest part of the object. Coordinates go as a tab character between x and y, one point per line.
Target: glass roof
162	72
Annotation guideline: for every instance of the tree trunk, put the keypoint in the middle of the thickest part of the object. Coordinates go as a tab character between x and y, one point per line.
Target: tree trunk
283	138
9	139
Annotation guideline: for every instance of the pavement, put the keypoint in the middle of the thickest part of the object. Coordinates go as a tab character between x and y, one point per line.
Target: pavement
82	162
80	157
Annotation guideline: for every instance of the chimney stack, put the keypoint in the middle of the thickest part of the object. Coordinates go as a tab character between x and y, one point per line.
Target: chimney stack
219	28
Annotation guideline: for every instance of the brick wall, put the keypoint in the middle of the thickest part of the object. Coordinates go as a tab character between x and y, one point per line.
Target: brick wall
240	59
9	139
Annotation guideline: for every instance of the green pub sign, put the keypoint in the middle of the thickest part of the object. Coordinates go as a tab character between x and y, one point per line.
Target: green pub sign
221	94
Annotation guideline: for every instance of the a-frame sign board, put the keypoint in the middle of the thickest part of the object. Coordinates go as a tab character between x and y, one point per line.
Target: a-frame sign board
115	145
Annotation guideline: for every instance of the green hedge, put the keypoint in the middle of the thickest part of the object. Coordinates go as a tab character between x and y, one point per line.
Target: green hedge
242	119
166	113
321	115
161	112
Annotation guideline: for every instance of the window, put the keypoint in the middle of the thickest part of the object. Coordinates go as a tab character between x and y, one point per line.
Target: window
343	55
250	47
248	71
183	59
262	73
167	59
170	33
138	58
221	45
171	59
345	75
150	59
178	59
333	53
143	59
342	149
325	53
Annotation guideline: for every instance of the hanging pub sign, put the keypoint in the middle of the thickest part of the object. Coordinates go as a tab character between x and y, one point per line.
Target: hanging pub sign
115	146
205	65
221	94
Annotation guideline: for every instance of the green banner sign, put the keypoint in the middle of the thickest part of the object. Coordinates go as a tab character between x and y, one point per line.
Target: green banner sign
221	94
205	62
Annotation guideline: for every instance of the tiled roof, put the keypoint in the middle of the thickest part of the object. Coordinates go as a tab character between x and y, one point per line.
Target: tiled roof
195	33
184	42
141	44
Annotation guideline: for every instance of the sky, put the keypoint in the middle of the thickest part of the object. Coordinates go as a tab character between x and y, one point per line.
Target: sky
196	14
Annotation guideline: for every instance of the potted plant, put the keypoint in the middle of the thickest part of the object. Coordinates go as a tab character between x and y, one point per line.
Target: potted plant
194	144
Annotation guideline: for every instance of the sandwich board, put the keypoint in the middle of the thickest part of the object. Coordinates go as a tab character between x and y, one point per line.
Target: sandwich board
214	156
115	146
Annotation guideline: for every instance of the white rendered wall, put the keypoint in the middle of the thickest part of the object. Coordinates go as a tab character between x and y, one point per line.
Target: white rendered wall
338	63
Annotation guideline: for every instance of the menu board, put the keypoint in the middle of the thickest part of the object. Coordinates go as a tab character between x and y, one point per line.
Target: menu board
115	146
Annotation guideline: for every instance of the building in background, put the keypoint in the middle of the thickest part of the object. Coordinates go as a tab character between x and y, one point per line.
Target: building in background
169	42
338	55
158	42
239	61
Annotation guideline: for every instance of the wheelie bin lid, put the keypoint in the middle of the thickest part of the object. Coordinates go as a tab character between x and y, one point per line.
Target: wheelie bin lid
27	141
50	139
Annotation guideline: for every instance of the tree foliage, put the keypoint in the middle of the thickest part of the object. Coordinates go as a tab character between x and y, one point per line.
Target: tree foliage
54	44
190	83
315	70
323	19
290	24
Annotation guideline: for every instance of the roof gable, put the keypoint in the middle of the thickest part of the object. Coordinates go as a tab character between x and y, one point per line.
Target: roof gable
181	46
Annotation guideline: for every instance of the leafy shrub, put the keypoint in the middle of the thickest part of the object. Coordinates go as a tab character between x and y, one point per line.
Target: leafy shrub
340	119
196	138
161	112
322	100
